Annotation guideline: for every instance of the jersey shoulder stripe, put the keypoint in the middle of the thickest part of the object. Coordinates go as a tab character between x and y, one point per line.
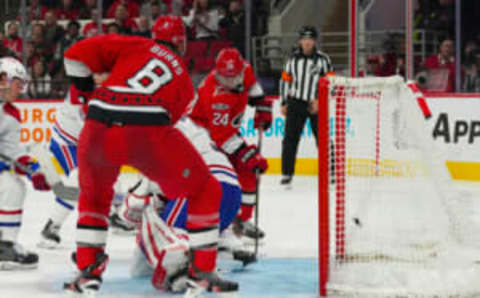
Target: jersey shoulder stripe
12	110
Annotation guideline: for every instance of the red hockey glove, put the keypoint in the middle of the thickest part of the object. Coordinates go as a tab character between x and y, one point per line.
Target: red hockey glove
248	158
27	161
263	114
40	182
38	179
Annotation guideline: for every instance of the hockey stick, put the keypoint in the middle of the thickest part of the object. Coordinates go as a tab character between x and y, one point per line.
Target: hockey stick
68	193
257	191
44	157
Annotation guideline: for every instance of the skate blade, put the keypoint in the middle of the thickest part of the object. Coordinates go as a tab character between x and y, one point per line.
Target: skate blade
193	291
86	294
47	244
198	293
10	266
122	232
228	294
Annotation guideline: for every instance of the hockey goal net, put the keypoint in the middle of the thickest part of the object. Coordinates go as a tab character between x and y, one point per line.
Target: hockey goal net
392	223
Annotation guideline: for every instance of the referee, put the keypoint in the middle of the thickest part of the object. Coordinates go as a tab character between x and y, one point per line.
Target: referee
298	93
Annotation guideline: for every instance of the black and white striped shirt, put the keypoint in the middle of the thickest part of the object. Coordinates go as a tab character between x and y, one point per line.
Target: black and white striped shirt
301	74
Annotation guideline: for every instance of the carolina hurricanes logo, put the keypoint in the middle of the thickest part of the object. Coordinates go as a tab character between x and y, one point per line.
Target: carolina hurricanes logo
220	90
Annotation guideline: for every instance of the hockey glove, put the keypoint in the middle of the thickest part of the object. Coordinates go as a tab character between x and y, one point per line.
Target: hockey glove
40	182
131	210
248	158
263	114
38	179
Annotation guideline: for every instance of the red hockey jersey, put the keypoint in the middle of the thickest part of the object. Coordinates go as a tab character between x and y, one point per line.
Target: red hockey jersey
145	78
220	110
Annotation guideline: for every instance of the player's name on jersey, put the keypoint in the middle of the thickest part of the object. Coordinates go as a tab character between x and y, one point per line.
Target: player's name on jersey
170	58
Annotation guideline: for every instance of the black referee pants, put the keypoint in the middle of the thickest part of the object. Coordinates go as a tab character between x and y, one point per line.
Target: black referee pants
297	113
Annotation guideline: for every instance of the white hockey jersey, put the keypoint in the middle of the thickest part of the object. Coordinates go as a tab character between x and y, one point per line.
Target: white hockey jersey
69	121
10	131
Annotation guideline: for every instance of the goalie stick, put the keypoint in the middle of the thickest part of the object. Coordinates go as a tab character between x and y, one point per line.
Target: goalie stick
68	193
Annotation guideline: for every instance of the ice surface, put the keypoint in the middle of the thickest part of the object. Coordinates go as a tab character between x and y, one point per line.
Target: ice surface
288	267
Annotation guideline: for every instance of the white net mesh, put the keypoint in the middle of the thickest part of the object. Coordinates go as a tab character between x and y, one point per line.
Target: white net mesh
397	227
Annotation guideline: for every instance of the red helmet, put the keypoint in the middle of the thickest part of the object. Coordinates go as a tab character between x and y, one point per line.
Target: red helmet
229	68
170	29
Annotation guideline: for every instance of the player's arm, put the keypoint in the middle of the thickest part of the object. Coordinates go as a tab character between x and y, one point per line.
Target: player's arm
92	55
10	146
256	98
10	133
199	113
228	139
244	156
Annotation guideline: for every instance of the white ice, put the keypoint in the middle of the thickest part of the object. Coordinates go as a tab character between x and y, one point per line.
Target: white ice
288	267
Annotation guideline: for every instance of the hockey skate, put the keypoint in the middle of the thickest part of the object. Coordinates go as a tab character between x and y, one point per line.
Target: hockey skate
50	238
231	246
88	281
120	226
247	229
199	282
13	256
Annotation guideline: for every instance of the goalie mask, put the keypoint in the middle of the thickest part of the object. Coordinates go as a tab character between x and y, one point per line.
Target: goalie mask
229	69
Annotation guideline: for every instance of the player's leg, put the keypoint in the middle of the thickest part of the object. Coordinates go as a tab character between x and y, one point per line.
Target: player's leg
101	151
294	123
12	196
174	212
182	173
242	225
65	155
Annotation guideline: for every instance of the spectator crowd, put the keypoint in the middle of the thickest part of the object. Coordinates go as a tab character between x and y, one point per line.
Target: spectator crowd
54	25
436	72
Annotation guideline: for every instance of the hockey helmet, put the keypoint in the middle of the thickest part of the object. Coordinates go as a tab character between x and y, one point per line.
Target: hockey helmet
13	69
229	68
170	29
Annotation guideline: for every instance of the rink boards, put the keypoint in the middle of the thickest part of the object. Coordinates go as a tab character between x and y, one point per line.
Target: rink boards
455	126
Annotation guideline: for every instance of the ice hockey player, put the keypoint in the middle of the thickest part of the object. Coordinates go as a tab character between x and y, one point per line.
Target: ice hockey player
163	222
69	120
13	79
130	121
222	99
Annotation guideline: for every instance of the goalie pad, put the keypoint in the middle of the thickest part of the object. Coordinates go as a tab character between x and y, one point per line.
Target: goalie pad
165	249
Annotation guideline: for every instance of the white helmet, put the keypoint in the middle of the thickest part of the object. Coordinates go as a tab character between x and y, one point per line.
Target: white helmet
13	69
